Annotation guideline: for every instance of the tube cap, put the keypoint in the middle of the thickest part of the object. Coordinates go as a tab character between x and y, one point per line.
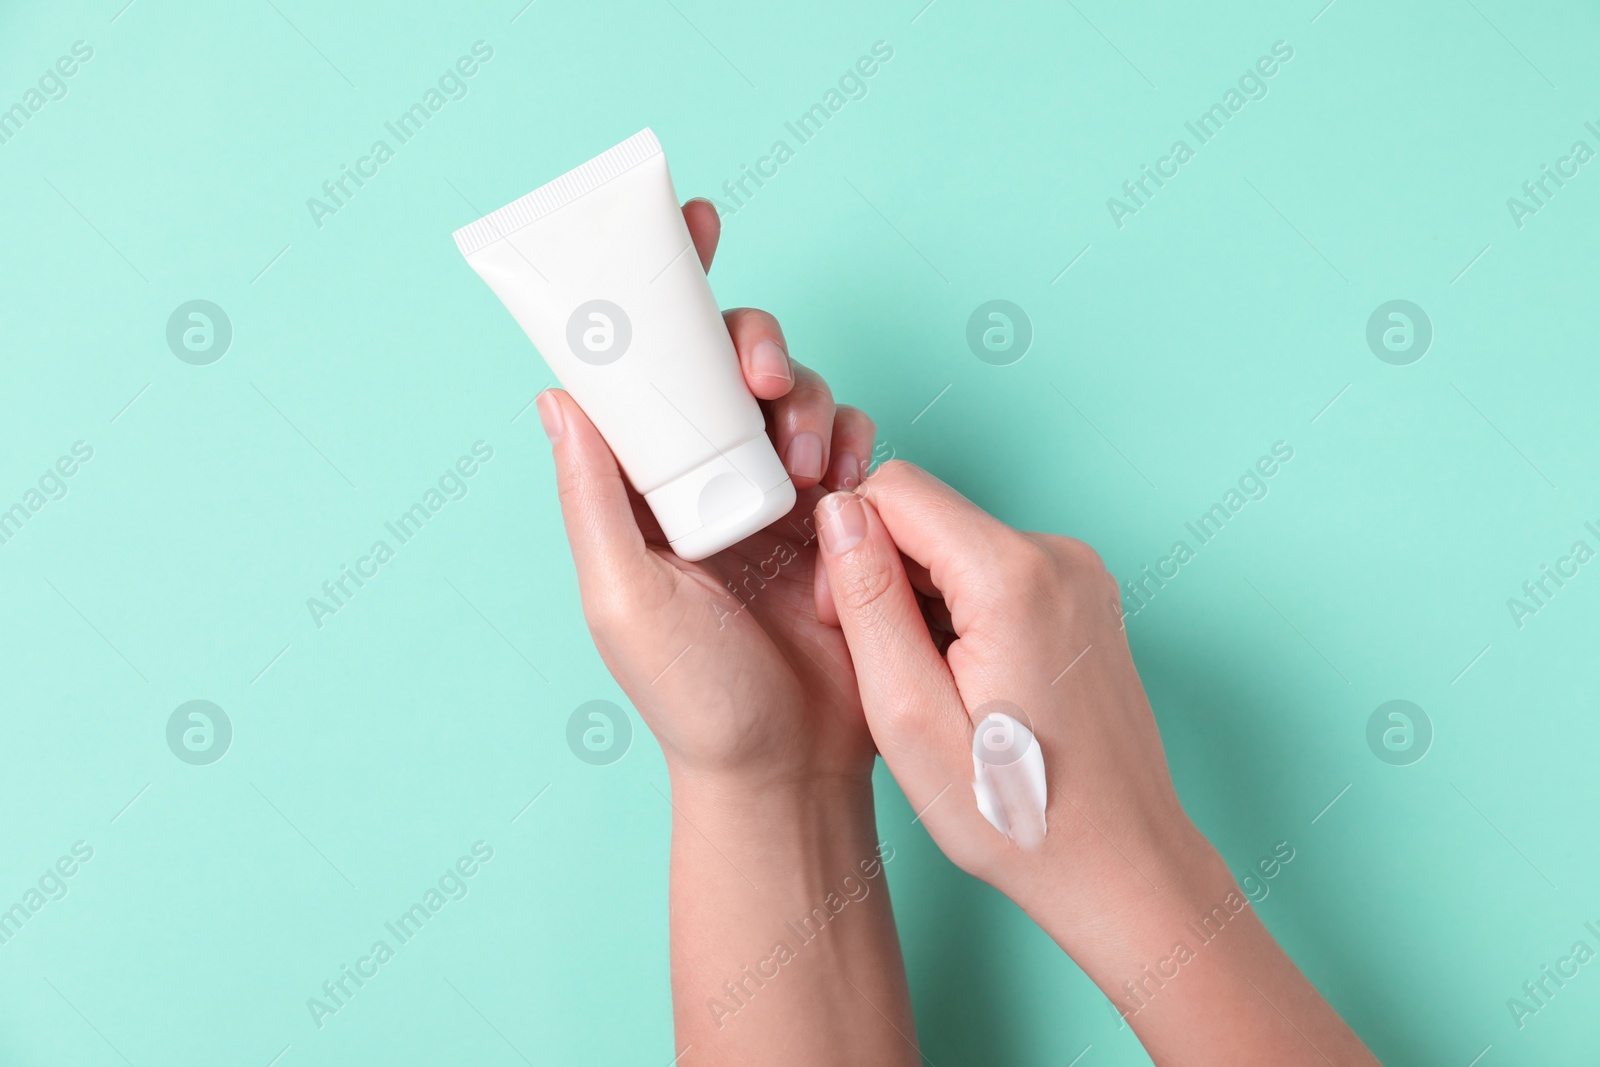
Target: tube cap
724	500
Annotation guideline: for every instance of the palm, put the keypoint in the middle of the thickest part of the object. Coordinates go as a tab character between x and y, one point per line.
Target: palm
788	683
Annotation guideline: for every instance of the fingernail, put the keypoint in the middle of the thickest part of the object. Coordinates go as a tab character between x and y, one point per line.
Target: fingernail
768	360
550	416
805	456
844	522
846	471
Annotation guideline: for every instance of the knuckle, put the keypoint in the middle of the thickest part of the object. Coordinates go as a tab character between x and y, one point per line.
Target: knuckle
899	719
1081	557
892	472
912	719
805	407
862	589
763	318
759	320
748	325
1025	563
810	388
1072	559
855	420
1080	568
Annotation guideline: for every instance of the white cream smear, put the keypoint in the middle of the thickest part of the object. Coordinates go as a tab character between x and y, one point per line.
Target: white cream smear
1008	778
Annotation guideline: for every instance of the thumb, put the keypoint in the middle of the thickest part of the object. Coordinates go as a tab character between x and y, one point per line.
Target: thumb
912	706
607	547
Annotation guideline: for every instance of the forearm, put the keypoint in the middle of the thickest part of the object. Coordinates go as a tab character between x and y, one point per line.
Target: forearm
783	941
1202	982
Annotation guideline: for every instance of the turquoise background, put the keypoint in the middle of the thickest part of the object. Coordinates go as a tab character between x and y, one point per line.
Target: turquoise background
1229	313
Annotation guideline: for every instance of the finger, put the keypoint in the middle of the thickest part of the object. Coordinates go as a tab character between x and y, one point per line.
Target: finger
801	424
929	599
934	611
913	709
606	544
934	607
921	580
955	540
763	353
822	594
853	431
705	229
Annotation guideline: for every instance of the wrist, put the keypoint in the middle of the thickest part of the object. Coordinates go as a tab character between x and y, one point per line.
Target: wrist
819	808
1189	897
781	864
780	917
1190	967
729	791
1152	889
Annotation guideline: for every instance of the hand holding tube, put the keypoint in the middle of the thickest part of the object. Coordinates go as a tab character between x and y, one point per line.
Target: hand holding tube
723	658
756	708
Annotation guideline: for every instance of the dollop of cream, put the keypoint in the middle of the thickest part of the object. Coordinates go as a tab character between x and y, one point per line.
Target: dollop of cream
1008	778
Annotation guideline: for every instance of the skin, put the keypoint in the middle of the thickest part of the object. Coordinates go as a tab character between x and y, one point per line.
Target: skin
946	608
755	704
773	672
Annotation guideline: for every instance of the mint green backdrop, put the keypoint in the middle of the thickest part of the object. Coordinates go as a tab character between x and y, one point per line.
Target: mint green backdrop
1176	339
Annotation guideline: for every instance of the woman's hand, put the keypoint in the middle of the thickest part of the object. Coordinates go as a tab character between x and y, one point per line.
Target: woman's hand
724	659
947	609
977	613
780	911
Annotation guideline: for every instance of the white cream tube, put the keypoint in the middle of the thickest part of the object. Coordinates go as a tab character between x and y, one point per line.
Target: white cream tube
598	269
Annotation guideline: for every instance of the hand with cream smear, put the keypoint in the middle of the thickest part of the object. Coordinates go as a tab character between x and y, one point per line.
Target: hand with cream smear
952	617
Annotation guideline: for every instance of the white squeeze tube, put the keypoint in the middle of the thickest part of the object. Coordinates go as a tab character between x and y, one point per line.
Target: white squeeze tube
598	269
